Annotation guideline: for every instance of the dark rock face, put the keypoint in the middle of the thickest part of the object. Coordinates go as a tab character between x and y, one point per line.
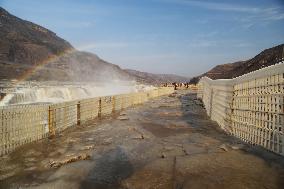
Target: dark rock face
266	58
27	43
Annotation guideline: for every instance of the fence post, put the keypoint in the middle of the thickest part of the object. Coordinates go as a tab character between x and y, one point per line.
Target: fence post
51	128
123	102
100	108
282	151
211	102
78	113
113	104
3	150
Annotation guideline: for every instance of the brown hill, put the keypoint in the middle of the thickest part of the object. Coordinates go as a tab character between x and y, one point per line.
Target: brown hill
266	58
27	43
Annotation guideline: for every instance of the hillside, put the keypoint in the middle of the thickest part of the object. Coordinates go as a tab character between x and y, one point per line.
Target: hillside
27	43
29	51
150	78
32	52
266	58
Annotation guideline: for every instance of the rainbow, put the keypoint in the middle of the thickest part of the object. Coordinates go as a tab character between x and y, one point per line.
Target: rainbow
41	64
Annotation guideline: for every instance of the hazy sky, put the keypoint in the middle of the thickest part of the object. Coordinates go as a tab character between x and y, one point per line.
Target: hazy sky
185	37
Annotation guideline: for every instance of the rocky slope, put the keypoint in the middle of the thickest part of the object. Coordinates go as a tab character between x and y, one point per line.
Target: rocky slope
266	58
27	43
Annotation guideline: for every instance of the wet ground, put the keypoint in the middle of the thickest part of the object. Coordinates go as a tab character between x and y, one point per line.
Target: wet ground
168	142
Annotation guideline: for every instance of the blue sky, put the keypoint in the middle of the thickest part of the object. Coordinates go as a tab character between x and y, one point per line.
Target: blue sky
185	37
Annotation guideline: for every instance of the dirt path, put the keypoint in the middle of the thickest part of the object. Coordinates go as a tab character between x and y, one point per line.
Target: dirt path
168	143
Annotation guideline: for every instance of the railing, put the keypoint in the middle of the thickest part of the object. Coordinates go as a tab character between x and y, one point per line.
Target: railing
27	123
250	107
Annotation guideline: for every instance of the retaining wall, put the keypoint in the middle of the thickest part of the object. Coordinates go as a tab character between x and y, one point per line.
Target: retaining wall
27	123
250	107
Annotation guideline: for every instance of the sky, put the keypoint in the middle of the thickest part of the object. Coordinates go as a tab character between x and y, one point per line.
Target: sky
184	37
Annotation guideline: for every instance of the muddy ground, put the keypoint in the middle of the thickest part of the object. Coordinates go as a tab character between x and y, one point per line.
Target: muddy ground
168	142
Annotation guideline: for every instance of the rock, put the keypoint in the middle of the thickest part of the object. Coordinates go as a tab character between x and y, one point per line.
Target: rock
122	114
163	155
89	139
168	148
122	118
107	141
69	155
88	147
237	147
155	106
30	169
31	159
224	147
57	164
139	137
165	105
71	140
140	134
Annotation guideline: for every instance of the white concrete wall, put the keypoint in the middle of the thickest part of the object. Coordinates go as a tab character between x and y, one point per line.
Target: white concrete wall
28	123
250	107
217	97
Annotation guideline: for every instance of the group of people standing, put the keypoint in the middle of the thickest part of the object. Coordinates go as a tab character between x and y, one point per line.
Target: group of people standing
176	85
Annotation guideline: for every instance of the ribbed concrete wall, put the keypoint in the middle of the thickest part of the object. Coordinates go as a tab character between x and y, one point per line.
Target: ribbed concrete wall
27	123
250	107
217	96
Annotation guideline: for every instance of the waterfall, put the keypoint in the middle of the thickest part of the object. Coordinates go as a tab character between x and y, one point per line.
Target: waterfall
41	93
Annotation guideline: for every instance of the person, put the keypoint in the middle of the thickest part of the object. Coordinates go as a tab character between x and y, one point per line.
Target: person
175	85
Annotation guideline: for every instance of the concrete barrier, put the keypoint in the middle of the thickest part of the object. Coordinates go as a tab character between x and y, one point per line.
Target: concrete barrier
28	123
250	107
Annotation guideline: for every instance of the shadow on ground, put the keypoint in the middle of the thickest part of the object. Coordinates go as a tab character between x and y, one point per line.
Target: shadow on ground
109	170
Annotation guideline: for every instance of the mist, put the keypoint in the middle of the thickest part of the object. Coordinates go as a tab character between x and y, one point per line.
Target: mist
71	76
54	92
